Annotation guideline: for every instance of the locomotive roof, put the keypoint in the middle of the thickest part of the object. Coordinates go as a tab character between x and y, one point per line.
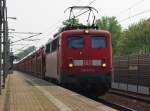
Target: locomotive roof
90	30
79	28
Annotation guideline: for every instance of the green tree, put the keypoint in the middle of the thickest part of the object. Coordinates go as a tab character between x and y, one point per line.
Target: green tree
136	39
72	21
111	24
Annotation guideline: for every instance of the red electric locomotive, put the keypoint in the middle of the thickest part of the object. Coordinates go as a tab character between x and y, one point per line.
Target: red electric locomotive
80	56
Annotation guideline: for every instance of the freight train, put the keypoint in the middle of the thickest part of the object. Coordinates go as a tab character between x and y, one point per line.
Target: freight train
79	55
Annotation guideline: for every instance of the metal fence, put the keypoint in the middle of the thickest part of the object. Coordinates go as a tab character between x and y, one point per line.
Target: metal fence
132	73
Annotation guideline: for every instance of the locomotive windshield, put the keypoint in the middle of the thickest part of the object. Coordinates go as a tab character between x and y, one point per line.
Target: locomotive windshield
98	42
75	42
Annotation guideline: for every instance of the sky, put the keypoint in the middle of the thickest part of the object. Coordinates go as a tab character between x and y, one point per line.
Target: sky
46	16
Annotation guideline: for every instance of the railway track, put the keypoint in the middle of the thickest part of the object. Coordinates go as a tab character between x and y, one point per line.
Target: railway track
114	105
131	95
125	101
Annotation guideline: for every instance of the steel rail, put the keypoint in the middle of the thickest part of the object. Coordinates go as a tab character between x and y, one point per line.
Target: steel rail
143	98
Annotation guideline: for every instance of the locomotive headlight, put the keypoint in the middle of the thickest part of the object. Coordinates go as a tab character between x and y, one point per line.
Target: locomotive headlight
70	65
104	65
86	31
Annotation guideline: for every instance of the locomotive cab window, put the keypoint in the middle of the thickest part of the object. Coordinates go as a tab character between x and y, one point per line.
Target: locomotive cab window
98	42
76	42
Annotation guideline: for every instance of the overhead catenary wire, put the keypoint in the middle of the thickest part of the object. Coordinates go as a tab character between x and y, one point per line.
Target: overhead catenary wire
24	32
91	2
137	14
19	44
18	36
26	38
129	8
32	40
